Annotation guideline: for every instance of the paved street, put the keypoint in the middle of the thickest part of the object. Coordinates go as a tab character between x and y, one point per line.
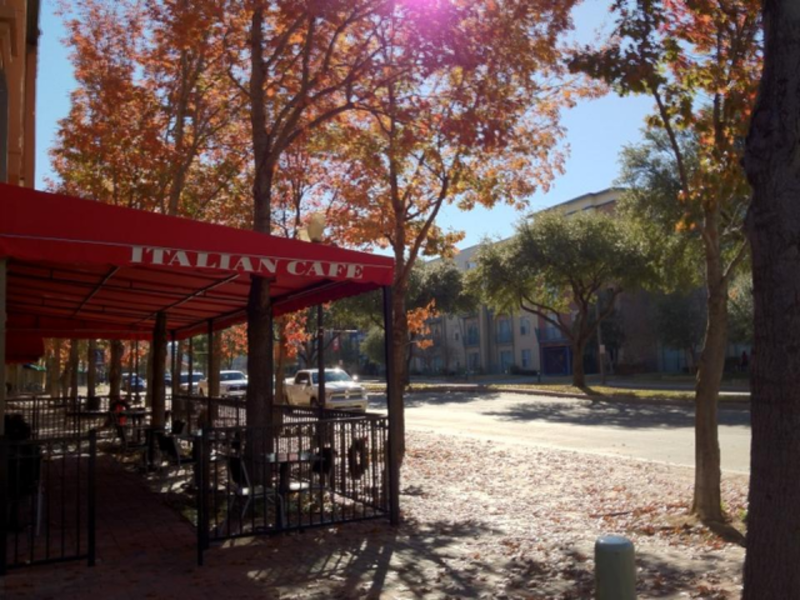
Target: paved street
643	431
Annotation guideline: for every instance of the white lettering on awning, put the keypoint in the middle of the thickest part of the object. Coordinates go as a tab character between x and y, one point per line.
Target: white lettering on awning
259	265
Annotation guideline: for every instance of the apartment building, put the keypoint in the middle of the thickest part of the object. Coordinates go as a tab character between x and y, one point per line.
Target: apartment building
486	342
19	37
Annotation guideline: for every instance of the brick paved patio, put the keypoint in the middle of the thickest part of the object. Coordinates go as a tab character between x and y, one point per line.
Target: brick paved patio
145	549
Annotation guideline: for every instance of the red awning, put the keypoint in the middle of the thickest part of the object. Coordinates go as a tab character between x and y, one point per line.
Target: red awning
83	269
22	348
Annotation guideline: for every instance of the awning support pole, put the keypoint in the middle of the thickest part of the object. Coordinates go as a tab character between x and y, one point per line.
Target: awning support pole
3	284
394	453
321	362
190	383
176	375
91	371
213	367
159	392
129	395
137	393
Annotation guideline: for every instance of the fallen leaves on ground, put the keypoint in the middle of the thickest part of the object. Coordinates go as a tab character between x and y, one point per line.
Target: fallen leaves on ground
520	522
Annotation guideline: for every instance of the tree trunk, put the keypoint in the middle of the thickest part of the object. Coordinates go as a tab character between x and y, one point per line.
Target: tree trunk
280	365
707	502
74	361
409	354
150	375
259	307
64	380
773	226
54	371
91	370
215	347
692	354
157	362
259	356
398	358
578	371
115	370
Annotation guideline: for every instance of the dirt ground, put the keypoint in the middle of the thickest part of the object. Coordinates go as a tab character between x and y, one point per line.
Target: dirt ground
484	520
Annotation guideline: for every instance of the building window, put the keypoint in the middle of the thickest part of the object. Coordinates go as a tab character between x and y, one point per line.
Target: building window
526	359
504	334
474	361
506	360
456	336
473	336
524	326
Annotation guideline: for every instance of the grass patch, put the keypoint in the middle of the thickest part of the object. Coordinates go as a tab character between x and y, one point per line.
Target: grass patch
599	392
596	392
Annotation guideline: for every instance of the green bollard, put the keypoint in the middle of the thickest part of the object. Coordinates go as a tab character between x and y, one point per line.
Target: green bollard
615	568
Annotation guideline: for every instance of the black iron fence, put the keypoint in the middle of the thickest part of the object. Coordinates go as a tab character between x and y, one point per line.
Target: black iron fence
197	412
300	474
200	411
47	500
69	417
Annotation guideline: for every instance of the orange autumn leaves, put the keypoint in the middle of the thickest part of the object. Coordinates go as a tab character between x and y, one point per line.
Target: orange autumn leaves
378	113
154	122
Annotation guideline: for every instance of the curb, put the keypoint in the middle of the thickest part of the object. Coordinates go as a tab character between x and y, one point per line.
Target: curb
484	389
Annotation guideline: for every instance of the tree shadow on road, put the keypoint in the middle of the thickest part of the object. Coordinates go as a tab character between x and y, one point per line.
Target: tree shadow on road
419	399
613	414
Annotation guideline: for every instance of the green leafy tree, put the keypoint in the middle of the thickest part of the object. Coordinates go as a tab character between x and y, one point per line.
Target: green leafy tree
373	346
700	62
740	307
681	321
556	266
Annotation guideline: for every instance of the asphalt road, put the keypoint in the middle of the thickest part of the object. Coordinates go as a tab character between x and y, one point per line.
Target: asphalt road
643	431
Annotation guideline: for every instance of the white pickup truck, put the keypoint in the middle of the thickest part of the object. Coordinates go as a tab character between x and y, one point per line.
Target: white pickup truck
341	392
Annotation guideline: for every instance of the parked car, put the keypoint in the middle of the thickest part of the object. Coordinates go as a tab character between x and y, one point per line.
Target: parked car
232	384
133	383
196	379
341	391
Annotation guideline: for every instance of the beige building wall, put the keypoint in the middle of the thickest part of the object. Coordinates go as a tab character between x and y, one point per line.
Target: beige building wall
19	35
502	341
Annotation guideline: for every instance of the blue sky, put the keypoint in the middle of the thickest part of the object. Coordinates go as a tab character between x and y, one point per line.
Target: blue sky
596	129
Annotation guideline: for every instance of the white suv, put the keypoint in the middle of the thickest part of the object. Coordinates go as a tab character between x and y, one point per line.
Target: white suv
232	384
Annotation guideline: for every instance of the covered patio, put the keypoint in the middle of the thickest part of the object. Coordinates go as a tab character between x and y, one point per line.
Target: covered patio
72	268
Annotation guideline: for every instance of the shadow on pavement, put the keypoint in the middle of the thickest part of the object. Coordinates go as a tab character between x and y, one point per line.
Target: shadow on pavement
417	399
368	560
613	414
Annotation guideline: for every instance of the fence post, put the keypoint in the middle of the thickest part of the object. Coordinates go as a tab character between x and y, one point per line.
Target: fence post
3	502
92	483
615	568
200	482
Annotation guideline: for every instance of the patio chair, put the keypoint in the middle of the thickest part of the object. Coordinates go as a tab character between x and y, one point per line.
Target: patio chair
243	489
180	428
124	430
170	448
